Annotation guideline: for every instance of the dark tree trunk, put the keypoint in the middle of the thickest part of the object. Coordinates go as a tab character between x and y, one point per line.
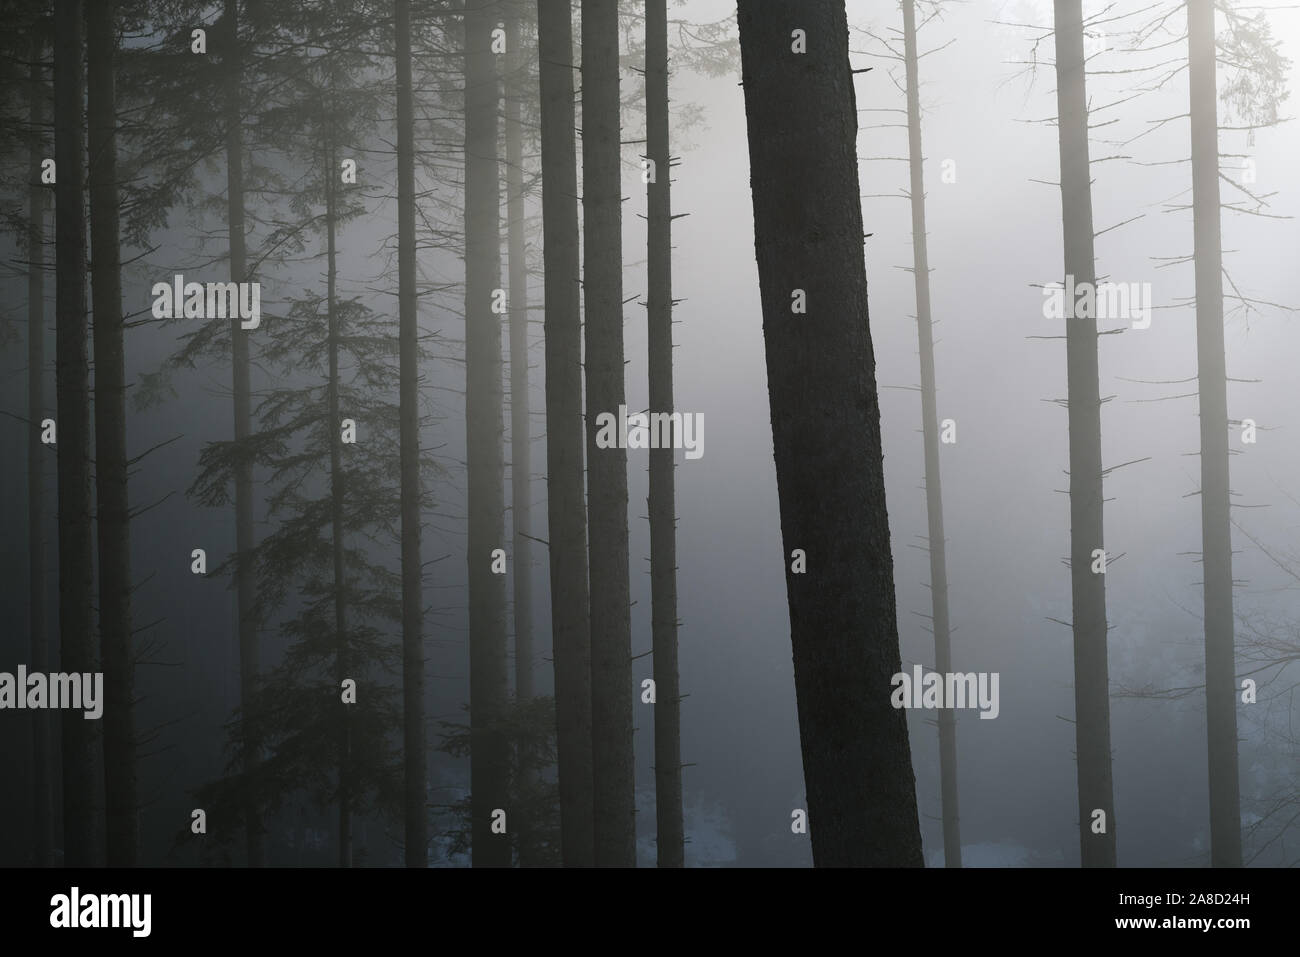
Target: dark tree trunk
42	792
335	439
1091	681
484	419
242	398
930	431
566	508
409	439
662	504
520	437
72	374
614	820
1211	374
113	511
802	117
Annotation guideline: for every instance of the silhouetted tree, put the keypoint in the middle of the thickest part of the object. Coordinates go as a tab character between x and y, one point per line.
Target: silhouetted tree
111	463
518	87
485	466
1212	385
37	94
662	503
614	819
414	799
245	587
801	112
72	375
936	545
1088	587
566	508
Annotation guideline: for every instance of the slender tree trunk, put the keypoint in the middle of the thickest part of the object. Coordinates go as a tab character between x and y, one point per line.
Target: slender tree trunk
484	419
241	391
334	436
42	792
614	820
1211	373
409	439
566	508
802	117
1091	681
520	437
930	431
670	840
72	374
113	510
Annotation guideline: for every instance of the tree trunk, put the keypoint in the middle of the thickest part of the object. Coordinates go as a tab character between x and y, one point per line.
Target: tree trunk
614	820
335	439
241	391
520	437
484	420
802	118
113	511
42	792
72	374
566	508
409	439
930	431
669	840
1211	374
1091	681
520	451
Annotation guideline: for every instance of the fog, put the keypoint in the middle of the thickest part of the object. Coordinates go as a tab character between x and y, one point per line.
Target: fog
993	208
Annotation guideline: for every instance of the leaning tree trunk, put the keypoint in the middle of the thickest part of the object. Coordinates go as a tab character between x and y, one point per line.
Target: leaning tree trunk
113	511
520	438
566	508
662	503
242	398
614	820
802	117
1088	588
42	792
409	441
930	432
72	374
1211	375
485	466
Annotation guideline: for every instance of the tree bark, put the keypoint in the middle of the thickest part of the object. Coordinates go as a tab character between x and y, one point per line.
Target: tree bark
242	399
802	118
930	432
113	510
42	792
335	439
662	506
72	375
484	423
520	437
614	820
566	508
1211	374
409	440
1091	679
